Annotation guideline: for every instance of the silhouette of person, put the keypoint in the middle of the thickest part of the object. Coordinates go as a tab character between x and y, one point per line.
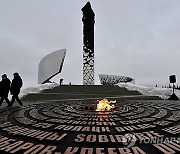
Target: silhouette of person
61	82
0	88
5	87
15	88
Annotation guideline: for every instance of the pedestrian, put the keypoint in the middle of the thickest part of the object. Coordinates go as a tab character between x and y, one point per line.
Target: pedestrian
15	88
5	87
61	82
0	88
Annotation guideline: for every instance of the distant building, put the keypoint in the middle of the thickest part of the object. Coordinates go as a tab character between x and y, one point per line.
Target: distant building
51	65
114	79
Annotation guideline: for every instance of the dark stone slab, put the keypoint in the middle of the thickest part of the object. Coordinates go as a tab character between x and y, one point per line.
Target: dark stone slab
64	127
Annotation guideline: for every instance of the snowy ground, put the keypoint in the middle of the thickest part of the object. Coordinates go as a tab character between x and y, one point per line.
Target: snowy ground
36	88
164	93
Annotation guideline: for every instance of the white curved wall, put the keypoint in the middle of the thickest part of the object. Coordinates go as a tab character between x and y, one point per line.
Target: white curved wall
114	79
51	65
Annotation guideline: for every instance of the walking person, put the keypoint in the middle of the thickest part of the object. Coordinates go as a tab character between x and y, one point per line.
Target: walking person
0	88
5	87
15	88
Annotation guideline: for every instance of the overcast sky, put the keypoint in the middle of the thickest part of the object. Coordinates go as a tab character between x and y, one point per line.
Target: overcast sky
135	38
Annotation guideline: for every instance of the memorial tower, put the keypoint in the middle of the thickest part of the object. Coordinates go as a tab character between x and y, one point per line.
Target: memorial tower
88	44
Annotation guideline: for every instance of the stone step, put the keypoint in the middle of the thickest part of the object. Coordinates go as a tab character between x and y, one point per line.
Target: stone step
86	92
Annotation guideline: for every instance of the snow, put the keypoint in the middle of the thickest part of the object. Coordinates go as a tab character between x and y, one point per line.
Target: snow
36	88
164	93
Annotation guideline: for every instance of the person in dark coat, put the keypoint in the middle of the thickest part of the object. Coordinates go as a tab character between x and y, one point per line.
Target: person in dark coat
5	87
0	88
15	88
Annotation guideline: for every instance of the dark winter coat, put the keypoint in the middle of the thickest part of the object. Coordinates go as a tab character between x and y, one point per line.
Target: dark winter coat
16	85
0	88
5	87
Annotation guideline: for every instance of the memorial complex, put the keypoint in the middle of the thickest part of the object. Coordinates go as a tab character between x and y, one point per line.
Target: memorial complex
88	118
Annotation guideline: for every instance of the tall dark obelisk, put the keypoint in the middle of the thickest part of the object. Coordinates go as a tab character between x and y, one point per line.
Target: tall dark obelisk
88	44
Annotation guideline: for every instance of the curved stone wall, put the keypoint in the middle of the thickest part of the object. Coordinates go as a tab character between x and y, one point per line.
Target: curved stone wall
51	65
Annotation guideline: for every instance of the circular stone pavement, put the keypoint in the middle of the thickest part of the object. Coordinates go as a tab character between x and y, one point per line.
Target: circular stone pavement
137	127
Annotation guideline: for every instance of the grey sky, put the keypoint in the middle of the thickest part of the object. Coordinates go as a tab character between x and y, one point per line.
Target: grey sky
136	38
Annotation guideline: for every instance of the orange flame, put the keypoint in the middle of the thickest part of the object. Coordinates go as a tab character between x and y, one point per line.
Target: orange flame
104	105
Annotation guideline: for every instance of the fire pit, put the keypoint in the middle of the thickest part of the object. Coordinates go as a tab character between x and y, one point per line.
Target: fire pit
101	106
89	107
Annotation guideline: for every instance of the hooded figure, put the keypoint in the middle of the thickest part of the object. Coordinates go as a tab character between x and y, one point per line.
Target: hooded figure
15	88
4	89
